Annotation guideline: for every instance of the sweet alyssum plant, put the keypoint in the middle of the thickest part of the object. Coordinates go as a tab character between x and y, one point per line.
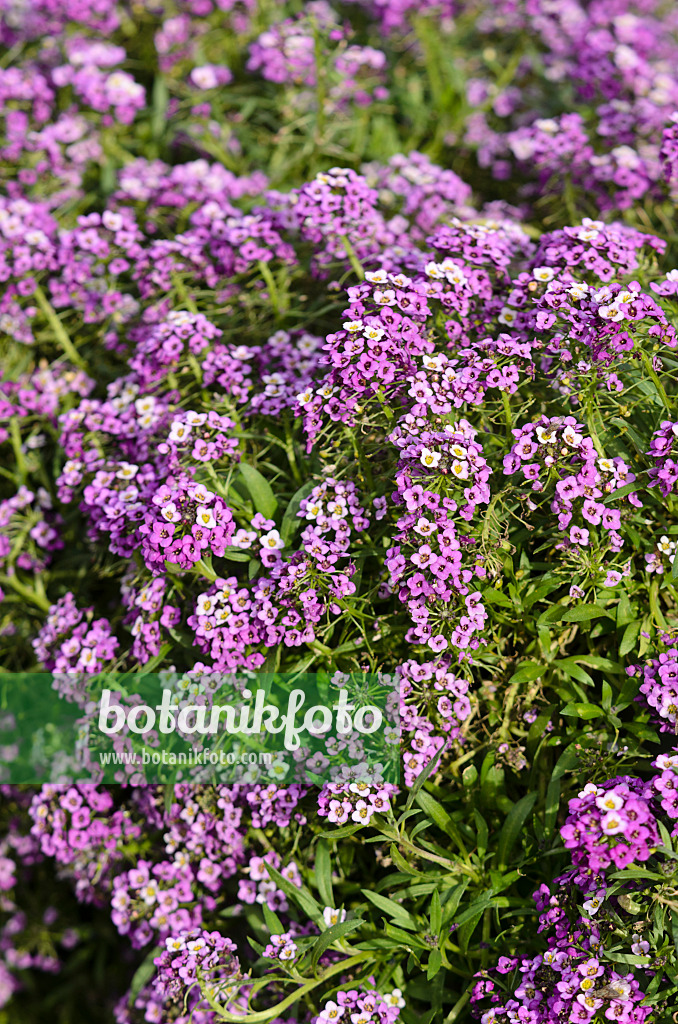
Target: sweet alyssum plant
281	391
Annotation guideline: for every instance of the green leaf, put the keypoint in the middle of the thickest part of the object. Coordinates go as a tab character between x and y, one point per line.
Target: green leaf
482	832
497	597
527	672
143	974
452	898
437	813
436	919
468	920
393	910
323	873
435	962
232	554
513	826
574	670
291	520
340	833
581	710
621	492
628	641
302	898
337	931
260	490
585	612
273	922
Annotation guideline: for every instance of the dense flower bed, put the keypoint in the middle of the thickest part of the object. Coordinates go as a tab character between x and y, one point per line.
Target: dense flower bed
343	337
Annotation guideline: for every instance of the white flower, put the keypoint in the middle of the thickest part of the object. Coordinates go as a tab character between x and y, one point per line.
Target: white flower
337	509
331	916
578	290
272	540
571	437
507	316
453	273
593	904
386	298
625	297
435	271
376	276
204	77
170	513
196	419
326	391
612	824
243	539
546	436
395	998
331	1011
429	458
313	509
205	604
374	333
143	405
543	273
353	326
127	471
174	945
179	431
609	802
459	469
607	465
424	527
432	362
458	451
204	518
201	494
610	313
587	790
305	397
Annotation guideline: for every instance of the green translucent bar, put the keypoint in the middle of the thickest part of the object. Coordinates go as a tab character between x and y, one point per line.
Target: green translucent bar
243	727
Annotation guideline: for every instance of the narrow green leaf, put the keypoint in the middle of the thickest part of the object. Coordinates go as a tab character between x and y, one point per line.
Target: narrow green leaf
393	910
143	974
527	672
436	913
585	612
291	520
260	490
628	641
513	826
337	931
581	710
435	962
323	873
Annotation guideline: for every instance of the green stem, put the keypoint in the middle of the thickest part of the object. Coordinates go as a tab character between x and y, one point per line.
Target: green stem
265	272
15	435
505	401
352	258
592	430
58	328
263	1016
26	592
362	459
185	299
647	363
